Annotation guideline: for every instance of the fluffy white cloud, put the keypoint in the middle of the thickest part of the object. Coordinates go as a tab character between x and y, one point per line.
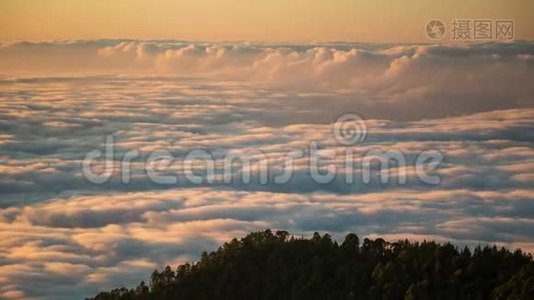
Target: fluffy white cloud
435	80
70	237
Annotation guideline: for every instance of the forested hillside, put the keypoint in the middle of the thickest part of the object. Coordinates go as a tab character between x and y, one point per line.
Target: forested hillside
267	265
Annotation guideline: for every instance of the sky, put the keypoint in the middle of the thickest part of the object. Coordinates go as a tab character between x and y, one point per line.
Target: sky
275	20
118	119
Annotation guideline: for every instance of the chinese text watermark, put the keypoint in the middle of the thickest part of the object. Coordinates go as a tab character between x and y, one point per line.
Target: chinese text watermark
472	29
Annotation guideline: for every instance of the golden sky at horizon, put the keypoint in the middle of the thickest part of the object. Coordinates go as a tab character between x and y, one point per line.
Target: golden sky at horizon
275	20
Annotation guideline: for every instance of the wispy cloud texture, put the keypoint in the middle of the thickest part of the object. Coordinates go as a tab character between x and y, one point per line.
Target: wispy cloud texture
58	101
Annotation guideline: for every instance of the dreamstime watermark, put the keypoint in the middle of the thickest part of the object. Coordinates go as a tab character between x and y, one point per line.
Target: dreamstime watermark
472	30
242	166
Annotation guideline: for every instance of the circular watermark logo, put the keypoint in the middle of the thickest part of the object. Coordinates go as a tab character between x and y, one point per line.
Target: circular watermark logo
435	29
350	129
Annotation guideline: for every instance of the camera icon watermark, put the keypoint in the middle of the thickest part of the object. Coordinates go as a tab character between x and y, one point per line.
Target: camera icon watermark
435	29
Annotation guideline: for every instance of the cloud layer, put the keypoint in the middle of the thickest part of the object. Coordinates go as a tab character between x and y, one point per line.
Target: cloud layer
59	101
412	80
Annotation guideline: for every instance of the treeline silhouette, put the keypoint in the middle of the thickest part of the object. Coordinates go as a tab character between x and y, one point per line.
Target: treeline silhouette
267	265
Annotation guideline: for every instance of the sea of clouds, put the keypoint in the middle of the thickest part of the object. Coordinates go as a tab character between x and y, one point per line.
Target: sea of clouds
64	237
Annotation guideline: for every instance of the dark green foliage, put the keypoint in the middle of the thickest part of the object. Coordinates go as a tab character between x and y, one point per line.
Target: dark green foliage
520	286
264	265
